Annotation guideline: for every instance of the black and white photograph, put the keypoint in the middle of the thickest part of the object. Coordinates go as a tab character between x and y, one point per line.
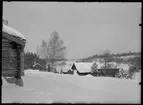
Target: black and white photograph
71	52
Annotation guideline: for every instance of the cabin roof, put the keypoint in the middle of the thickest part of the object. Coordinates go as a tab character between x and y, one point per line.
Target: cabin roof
65	67
13	32
37	64
83	67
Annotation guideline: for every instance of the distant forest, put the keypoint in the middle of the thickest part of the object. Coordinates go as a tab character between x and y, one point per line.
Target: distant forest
111	55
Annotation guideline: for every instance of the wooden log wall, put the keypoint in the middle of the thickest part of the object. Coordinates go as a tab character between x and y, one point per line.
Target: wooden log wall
22	61
9	58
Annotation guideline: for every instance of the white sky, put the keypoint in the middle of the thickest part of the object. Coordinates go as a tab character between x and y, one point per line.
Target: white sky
86	28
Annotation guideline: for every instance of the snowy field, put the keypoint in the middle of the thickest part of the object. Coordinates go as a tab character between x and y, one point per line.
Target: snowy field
44	87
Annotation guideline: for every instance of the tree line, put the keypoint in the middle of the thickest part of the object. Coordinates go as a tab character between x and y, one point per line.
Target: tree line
117	55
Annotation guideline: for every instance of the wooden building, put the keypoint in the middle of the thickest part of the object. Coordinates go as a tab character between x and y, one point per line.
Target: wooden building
38	67
13	43
108	72
68	72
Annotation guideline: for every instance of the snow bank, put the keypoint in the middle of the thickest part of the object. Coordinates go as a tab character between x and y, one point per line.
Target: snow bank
5	82
12	31
45	87
31	71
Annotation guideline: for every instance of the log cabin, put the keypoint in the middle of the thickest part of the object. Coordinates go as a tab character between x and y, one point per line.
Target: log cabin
13	43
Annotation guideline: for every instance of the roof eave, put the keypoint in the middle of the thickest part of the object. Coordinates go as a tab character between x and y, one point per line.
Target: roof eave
15	39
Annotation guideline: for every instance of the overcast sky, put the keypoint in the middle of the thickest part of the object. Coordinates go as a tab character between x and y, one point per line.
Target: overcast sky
86	28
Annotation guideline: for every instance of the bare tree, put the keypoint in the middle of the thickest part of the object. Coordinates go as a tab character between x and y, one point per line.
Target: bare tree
55	50
44	53
38	51
94	67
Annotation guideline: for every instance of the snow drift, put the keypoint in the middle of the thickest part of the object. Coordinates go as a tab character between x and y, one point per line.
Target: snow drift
45	87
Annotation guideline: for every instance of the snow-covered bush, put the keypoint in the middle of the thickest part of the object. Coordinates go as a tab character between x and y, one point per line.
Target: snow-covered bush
122	74
94	67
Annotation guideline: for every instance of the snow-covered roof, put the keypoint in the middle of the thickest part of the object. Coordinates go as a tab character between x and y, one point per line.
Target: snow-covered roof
12	32
83	67
65	67
37	64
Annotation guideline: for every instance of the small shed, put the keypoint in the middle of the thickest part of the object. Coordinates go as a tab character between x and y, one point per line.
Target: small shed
13	43
38	66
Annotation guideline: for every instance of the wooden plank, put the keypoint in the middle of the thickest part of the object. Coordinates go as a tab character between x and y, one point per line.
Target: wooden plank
5	53
4	38
9	51
7	57
13	66
9	70
9	74
7	66
4	46
9	46
4	56
6	41
9	62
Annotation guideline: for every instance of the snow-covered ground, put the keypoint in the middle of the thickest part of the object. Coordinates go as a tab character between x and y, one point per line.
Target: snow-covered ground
44	87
